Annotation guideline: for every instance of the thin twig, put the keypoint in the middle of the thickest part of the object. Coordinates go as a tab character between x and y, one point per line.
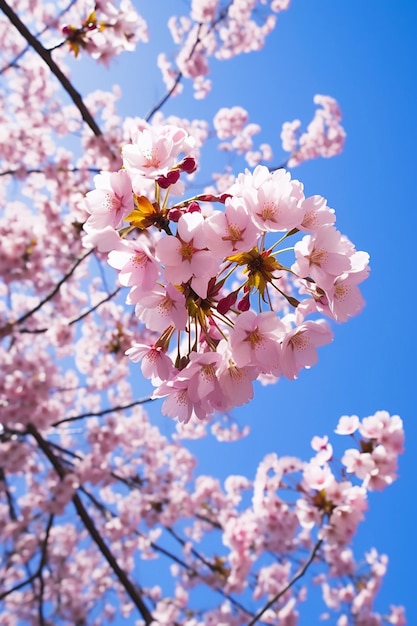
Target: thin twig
9	497
293	580
68	170
80	317
6	330
42	563
121	407
179	76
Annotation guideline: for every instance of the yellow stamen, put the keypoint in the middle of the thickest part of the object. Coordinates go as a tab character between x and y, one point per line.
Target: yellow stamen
144	213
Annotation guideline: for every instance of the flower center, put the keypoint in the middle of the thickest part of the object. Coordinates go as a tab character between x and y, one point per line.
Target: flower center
318	257
255	338
187	251
269	211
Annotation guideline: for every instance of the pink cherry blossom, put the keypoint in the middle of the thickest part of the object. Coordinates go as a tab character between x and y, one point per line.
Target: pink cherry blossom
137	266
361	464
155	151
321	256
316	214
92	489
186	257
276	206
347	425
325	136
110	202
178	402
323	448
231	231
155	364
299	346
230	122
254	341
235	382
160	308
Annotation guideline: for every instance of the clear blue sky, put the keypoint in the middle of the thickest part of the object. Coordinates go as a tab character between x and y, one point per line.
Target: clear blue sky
364	54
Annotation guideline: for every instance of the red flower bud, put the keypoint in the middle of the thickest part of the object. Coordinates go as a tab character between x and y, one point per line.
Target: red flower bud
188	165
244	304
174	215
225	303
170	179
194	207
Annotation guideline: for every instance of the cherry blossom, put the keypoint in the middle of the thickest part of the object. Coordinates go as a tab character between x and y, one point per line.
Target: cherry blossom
325	137
194	268
125	282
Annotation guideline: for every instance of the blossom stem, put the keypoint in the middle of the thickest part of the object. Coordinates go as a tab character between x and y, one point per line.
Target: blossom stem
288	234
283	250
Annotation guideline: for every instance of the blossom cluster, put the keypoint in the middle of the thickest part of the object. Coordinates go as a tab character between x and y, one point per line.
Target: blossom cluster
106	31
222	298
230	295
232	123
216	29
259	528
325	136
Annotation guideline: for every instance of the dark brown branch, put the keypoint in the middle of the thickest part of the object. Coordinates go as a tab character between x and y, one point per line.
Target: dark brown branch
165	97
43	561
36	331
47	57
212	567
68	170
6	330
88	522
18	586
9	497
121	407
41	32
38	573
191	570
293	580
180	74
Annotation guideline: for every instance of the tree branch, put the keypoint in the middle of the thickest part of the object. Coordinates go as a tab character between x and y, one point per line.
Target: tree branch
9	497
179	76
6	330
26	48
212	567
293	580
43	561
38	573
47	57
191	570
88	522
37	331
121	407
70	170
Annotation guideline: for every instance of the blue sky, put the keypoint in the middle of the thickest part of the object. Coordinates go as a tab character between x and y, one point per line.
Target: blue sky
363	54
